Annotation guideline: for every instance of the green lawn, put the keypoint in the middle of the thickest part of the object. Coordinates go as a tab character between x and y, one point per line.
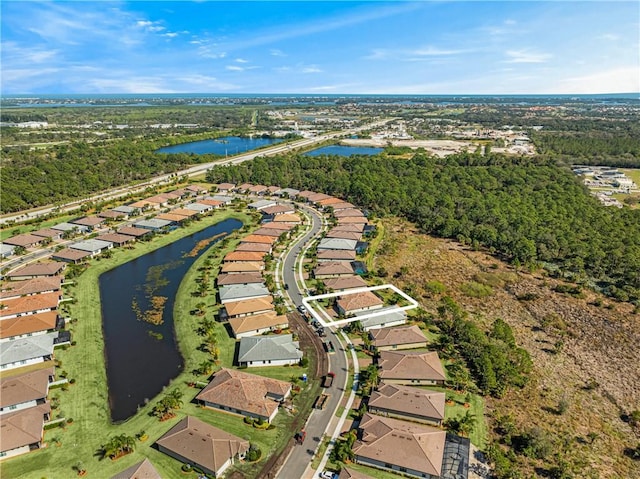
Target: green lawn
86	401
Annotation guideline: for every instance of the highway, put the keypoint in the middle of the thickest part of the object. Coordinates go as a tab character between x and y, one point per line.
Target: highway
122	191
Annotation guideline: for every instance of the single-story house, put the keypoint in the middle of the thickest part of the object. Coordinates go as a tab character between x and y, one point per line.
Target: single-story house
254	238
347	473
21	431
404	337
342	206
337	243
274	232
37	270
25	305
265	248
199	208
393	316
242	267
239	278
278	210
93	246
29	325
243	256
90	222
26	351
25	390
239	309
172	218
411	368
158	201
225	199
288	192
261	204
258	190
134	232
331	200
356	302
186	212
305	194
140	470
127	210
245	394
355	228
115	238
336	255
6	250
353	220
407	402
272	190
28	287
144	205
195	442
243	188
258	324
333	269
214	204
394	445
348	213
112	215
71	228
225	187
24	240
288	219
152	224
315	197
50	233
283	227
269	351
344	283
238	292
69	255
348	235
198	189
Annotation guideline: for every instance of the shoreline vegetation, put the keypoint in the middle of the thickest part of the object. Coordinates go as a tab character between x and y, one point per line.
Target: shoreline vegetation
87	402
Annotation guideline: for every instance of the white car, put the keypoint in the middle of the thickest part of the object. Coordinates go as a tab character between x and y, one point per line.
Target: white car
328	475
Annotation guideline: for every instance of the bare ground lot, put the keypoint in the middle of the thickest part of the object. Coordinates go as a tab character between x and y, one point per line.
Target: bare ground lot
586	351
440	148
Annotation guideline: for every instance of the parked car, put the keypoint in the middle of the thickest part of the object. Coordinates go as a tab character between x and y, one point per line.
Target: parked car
302	309
328	475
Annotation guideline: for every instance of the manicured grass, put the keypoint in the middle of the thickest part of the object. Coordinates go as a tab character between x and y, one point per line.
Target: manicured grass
87	401
374	244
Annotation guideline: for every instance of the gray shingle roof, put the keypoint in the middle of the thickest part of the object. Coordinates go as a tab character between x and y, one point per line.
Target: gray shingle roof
27	348
265	348
235	292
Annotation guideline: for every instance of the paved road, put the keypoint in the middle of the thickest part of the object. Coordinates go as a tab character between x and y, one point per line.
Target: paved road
299	459
193	171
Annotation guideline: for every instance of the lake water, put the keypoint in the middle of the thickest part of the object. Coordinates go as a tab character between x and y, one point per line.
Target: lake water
341	150
138	364
229	145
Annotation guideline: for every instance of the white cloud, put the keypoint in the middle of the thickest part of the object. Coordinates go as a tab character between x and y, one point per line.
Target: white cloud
612	37
170	34
526	56
277	53
414	54
241	60
234	68
311	69
616	80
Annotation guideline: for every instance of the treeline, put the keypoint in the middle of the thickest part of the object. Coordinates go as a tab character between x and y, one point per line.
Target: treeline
620	149
527	210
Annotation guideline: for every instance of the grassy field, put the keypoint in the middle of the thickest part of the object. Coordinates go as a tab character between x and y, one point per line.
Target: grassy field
87	400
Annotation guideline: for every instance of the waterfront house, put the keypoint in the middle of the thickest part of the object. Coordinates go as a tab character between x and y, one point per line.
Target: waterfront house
254	238
225	279
239	292
257	324
245	394
199	444
134	232
22	431
239	309
277	350
26	351
255	247
236	267
243	257
29	325
25	390
92	246
115	238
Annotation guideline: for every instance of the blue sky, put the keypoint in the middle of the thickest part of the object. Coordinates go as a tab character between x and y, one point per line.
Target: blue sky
427	47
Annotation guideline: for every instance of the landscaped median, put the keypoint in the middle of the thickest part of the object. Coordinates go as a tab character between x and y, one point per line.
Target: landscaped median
86	401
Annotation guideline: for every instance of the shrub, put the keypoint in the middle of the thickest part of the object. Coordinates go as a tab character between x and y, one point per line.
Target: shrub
435	287
476	290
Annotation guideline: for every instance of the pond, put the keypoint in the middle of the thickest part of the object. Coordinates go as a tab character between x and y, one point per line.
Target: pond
229	145
143	357
341	150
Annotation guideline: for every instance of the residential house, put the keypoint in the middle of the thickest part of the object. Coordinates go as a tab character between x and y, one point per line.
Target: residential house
110	215
349	212
73	256
336	255
408	403
140	470
304	195
37	270
348	235
333	269
244	394
127	210
21	431
243	257
26	351
92	246
268	231
391	339
357	302
199	208
25	240
353	220
69	228
116	239
153	224
254	238
342	206
172	218
399	446
185	212
239	278
337	243
257	324
243	188
279	209
283	227
289	219
355	228
242	267
269	351
30	325
53	235
26	305
344	283
195	442
261	204
316	197
6	250
384	318
288	192
258	190
214	204
91	222
25	390
239	292
225	187
272	190
411	368
331	200
255	247
222	198
29	287
134	232
239	309
348	473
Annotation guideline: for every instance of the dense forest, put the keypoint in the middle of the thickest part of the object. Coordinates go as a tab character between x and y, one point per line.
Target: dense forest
529	211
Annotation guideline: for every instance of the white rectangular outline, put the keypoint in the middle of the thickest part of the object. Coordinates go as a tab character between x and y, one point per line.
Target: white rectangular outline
330	323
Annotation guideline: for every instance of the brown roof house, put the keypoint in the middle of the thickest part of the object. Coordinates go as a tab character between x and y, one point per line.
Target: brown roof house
25	240
257	324
197	443
236	267
411	367
243	257
412	449
141	470
333	269
404	337
357	302
336	255
239	278
344	283
25	390
407	402
239	309
29	325
21	431
29	287
24	305
246	394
